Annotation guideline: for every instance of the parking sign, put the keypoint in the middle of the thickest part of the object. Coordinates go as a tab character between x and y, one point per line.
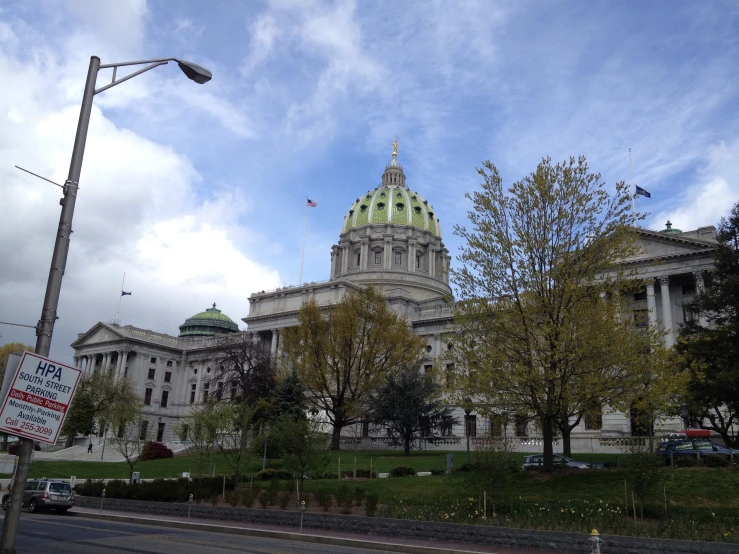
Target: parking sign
38	398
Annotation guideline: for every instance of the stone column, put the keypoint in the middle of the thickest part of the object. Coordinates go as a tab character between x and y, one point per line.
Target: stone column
90	361
344	260
387	255
432	261
437	344
664	282
651	306
124	362
333	265
700	287
273	346
118	364
106	361
411	257
365	255
76	361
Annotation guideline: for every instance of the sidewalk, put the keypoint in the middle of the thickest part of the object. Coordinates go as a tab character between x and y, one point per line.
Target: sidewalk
373	542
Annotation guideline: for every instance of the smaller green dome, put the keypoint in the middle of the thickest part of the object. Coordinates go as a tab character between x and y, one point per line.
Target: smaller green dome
210	322
669	230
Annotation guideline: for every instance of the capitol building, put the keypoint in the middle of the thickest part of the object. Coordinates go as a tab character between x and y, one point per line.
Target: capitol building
391	239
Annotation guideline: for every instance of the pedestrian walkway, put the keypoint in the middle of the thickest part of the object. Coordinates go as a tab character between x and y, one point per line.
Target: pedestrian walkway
374	542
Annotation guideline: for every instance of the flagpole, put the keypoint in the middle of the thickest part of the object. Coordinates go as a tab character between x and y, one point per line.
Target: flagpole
633	188
120	297
302	250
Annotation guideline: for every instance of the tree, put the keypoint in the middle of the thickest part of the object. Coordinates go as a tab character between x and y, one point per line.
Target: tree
343	352
540	308
289	398
80	417
229	427
109	398
243	370
302	446
711	353
408	405
131	432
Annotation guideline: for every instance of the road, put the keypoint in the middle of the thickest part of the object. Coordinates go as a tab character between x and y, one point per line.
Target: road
49	533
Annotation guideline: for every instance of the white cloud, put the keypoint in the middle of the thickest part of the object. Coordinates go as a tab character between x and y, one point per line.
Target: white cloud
711	198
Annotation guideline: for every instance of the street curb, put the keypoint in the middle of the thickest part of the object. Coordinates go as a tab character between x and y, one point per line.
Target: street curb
283	535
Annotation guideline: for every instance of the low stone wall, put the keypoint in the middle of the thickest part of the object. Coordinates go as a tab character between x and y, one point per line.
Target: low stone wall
448	532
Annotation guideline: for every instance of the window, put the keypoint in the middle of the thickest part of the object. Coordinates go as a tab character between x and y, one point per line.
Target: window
147	397
641	318
152	373
219	391
206	390
359	259
121	430
427	368
233	389
365	428
496	427
640	295
688	313
521	426
184	432
363	208
153	360
143	431
429	348
688	289
169	363
471	426
398	258
160	432
195	371
594	419
165	399
399	207
417	209
418	261
449	373
192	393
378	258
167	376
207	370
380	206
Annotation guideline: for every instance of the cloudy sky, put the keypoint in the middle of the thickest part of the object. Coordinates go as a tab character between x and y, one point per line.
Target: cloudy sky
197	193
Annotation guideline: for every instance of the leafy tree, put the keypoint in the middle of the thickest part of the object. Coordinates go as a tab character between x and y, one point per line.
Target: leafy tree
409	405
80	417
131	431
343	352
542	326
711	353
110	398
303	447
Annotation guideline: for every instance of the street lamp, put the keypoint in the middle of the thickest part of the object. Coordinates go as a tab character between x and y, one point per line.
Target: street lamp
45	326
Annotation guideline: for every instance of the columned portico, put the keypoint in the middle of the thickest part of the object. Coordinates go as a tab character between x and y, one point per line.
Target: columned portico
273	345
651	306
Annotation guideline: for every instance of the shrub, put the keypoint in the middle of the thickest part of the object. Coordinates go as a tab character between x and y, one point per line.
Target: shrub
264	499
370	504
155	451
717	461
359	494
214	499
90	488
272	474
232	497
345	499
324	499
247	499
609	465
364	473
402	471
469	466
438	471
284	500
686	461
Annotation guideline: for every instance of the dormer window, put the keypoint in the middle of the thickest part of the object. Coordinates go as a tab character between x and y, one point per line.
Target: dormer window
363	208
417	209
431	214
382	194
399	207
380	206
398	195
414	198
351	213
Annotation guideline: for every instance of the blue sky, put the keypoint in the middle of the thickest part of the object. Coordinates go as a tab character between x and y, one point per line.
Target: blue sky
197	192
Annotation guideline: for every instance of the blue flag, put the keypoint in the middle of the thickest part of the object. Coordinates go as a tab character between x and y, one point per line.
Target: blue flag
642	192
125	293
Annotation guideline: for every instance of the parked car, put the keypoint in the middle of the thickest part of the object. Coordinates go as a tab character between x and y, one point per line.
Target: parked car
560	462
692	447
41	494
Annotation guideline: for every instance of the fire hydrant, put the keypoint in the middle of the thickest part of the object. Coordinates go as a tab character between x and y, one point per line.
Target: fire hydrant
595	542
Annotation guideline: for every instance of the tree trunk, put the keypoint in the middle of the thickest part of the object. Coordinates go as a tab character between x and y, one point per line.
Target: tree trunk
336	437
5	442
407	446
566	441
69	442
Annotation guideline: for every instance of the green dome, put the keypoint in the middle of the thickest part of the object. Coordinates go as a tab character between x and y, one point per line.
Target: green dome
208	323
393	204
669	230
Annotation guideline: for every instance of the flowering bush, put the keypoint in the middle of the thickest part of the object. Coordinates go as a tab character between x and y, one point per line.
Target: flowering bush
155	451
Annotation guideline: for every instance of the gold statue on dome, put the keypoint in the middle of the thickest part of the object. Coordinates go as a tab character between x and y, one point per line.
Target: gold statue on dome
395	147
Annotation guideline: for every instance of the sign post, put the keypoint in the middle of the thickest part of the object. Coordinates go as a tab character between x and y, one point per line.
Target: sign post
34	409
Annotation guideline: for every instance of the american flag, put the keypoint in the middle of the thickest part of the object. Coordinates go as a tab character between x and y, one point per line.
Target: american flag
310	203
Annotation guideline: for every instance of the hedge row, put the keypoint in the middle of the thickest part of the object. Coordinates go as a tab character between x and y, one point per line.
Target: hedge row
160	490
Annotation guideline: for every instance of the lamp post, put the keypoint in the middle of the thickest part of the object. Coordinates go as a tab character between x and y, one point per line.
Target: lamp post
105	436
467	411
45	326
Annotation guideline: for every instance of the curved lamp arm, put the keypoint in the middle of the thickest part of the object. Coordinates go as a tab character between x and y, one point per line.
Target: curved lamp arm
193	71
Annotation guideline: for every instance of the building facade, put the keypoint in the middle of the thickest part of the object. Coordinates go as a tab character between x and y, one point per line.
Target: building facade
390	239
